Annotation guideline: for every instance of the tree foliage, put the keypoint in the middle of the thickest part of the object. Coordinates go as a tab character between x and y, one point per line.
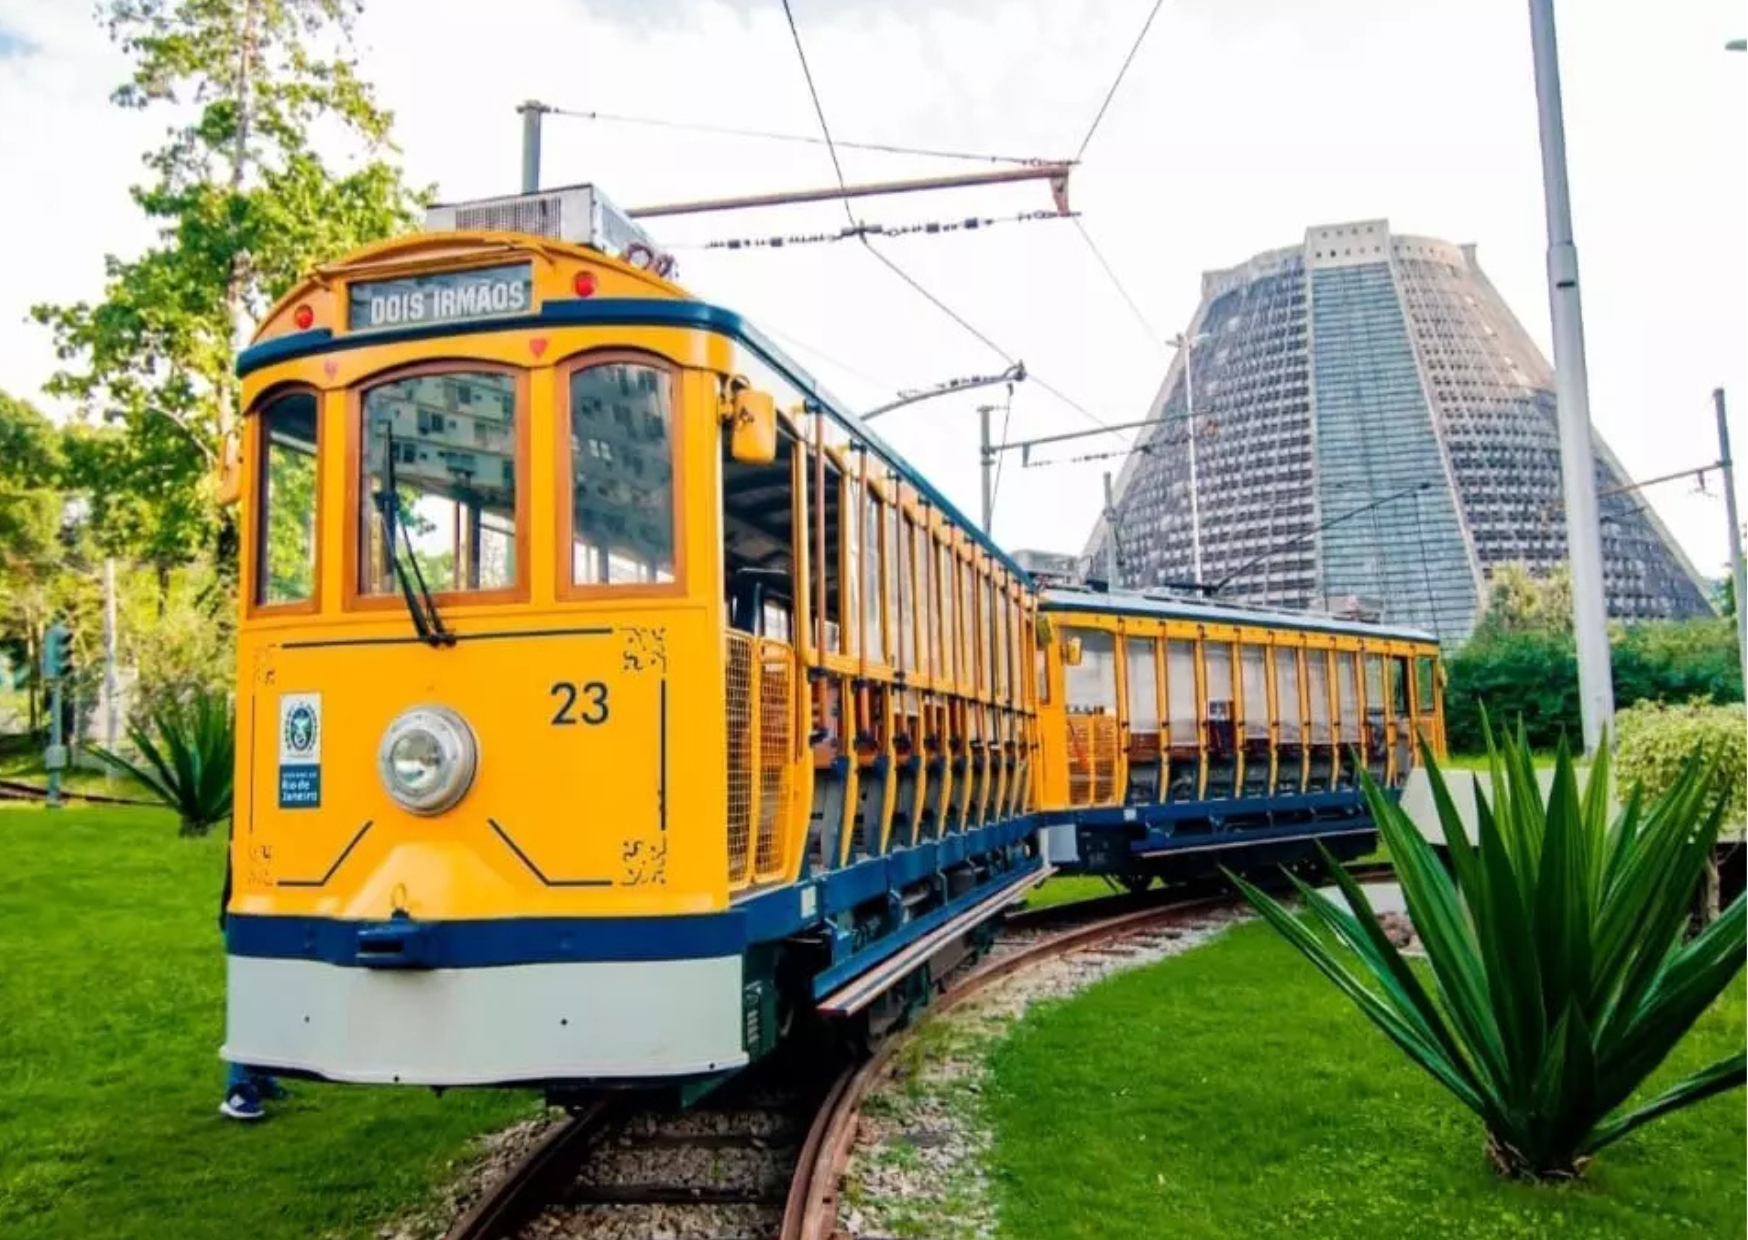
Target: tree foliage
1655	739
1532	675
1560	975
1519	601
244	202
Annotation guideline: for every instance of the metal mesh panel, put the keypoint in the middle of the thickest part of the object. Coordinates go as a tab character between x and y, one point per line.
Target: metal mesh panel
774	758
539	216
1104	755
740	754
1080	759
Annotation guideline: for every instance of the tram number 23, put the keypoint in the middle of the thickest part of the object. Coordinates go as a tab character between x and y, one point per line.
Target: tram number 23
585	703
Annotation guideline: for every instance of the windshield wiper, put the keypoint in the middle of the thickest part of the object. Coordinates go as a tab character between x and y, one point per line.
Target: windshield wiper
422	609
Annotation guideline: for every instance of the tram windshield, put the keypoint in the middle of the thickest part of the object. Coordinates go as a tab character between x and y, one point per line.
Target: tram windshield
454	439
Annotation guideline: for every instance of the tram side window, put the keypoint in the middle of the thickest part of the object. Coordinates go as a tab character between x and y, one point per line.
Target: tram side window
1424	693
1347	688
285	560
1180	689
448	442
1317	689
1217	657
1287	692
899	585
1143	691
1256	690
871	609
621	475
1091	687
1375	685
946	594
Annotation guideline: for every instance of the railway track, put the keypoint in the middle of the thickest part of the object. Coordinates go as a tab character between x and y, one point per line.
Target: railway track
766	1155
16	790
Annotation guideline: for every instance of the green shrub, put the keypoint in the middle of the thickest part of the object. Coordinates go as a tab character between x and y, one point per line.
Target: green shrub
1561	976
1655	739
188	757
1532	675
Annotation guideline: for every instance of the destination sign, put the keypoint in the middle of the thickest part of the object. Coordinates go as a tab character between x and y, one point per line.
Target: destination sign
484	292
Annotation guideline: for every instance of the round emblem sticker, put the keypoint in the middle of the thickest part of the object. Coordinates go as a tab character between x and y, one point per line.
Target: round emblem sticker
300	729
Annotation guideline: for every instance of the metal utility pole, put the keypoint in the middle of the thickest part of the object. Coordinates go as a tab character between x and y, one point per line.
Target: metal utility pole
986	459
54	669
1572	394
1186	345
1738	572
1111	568
111	718
531	112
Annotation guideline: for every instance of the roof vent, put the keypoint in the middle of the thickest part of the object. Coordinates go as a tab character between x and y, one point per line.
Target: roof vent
580	214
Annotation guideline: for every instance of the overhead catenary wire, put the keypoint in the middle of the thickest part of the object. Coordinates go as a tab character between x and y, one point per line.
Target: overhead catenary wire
1117	283
900	272
1117	81
852	232
766	135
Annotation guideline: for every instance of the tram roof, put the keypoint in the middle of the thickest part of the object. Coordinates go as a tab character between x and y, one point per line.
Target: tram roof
1127	603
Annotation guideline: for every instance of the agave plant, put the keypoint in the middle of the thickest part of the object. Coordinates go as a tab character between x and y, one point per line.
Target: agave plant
187	758
1561	971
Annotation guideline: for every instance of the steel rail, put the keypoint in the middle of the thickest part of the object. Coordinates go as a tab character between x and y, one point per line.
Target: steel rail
15	790
502	1209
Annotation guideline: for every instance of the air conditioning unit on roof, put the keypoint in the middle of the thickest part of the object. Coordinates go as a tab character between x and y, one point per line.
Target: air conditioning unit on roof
580	214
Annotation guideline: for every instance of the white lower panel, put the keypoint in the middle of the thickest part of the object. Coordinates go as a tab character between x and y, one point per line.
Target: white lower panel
596	1020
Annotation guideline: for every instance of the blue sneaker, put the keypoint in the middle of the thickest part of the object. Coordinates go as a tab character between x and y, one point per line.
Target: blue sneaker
270	1088
242	1102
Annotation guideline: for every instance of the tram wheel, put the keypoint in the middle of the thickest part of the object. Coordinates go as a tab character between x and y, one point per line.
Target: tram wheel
1135	884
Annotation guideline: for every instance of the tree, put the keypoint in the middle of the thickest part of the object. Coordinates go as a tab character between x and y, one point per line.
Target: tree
245	204
31	507
1519	601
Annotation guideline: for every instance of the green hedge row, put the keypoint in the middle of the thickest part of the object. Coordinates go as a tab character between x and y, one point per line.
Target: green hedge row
1533	676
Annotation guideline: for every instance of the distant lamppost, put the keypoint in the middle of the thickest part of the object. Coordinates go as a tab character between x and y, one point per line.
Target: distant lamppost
1186	346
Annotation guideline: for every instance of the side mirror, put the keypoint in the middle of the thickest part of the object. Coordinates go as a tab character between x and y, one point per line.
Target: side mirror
1045	630
752	419
1071	651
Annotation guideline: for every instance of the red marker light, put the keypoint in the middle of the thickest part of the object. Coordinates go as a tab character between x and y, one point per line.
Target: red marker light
303	316
584	284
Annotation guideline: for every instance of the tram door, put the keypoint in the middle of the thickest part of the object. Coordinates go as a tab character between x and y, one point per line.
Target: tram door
1258	773
1377	732
1401	721
1221	740
1144	739
1320	738
1183	759
1090	692
1426	713
1290	755
1350	735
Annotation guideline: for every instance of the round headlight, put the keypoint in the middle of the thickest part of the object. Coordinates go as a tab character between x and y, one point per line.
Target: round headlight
427	759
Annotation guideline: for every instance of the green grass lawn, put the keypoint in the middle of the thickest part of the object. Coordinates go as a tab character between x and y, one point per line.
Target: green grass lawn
111	1014
1067	889
1233	1094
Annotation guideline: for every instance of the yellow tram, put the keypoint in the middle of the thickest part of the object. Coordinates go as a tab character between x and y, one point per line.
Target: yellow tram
606	694
1178	729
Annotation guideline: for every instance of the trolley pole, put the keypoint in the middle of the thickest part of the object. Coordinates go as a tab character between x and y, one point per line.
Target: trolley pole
1737	569
1111	568
986	457
531	111
1572	394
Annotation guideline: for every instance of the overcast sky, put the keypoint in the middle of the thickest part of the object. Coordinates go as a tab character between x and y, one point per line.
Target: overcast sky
1241	123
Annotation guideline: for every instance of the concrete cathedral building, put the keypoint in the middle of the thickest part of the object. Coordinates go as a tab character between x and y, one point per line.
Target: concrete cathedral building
1382	376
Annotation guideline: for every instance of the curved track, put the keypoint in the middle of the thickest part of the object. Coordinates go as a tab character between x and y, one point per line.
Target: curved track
814	1115
15	790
